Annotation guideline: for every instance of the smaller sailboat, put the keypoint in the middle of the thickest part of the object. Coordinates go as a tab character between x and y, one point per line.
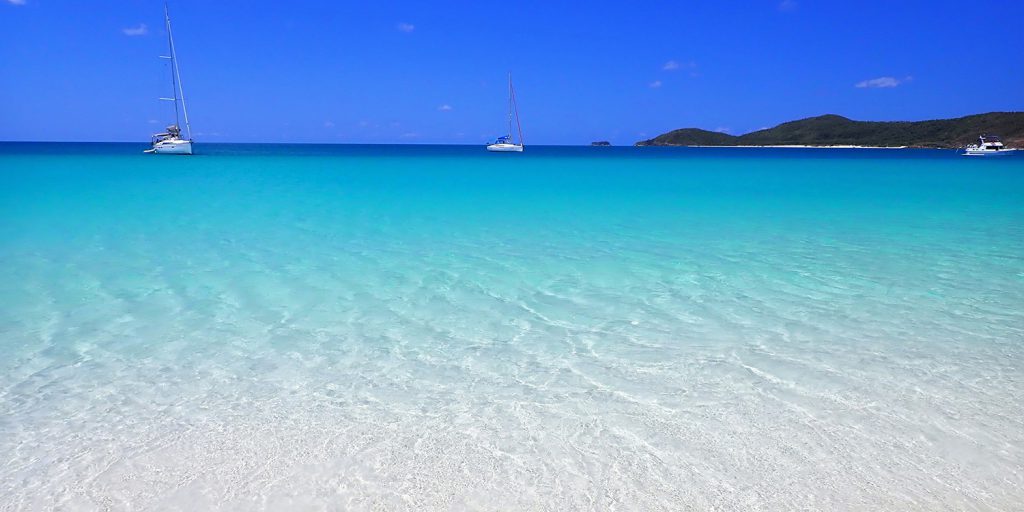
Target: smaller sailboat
171	142
505	143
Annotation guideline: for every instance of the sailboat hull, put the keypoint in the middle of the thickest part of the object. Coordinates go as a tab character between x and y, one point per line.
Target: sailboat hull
505	148
178	147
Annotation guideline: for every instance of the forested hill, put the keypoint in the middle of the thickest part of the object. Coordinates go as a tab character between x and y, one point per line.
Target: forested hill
834	130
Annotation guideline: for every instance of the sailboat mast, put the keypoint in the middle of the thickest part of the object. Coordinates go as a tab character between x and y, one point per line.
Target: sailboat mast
515	107
170	47
510	105
176	77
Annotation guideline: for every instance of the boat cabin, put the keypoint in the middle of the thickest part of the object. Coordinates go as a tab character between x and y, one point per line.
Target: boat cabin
173	132
990	142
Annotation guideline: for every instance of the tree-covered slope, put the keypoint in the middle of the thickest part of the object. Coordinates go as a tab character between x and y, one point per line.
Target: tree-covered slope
691	137
833	130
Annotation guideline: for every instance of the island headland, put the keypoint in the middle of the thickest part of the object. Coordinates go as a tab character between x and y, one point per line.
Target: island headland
835	130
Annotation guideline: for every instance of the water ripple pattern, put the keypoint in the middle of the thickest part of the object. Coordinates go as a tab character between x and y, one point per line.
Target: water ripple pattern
409	328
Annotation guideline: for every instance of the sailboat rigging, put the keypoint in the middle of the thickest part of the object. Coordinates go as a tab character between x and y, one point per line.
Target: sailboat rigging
171	141
505	143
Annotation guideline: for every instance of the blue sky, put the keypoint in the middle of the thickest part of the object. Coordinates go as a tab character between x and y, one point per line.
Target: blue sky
431	72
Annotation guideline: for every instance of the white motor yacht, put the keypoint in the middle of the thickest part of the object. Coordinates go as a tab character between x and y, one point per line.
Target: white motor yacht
988	145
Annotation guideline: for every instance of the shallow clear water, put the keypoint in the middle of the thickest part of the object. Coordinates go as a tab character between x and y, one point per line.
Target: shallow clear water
396	327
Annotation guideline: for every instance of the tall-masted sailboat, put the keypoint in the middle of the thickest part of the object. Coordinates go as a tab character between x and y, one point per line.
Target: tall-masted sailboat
505	142
171	142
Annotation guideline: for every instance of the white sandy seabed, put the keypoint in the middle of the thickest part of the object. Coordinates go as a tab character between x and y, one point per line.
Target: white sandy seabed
296	352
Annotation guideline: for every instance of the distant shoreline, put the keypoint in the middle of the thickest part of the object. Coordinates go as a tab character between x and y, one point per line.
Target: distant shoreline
835	131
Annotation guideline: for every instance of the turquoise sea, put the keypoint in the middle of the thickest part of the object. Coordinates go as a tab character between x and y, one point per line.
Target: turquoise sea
302	327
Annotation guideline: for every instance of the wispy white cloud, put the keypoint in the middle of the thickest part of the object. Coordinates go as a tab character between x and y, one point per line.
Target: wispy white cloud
674	65
328	124
445	108
16	2
882	82
723	129
787	5
405	27
140	30
410	135
655	84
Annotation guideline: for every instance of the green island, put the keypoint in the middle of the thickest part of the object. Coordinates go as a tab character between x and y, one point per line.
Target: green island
835	130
